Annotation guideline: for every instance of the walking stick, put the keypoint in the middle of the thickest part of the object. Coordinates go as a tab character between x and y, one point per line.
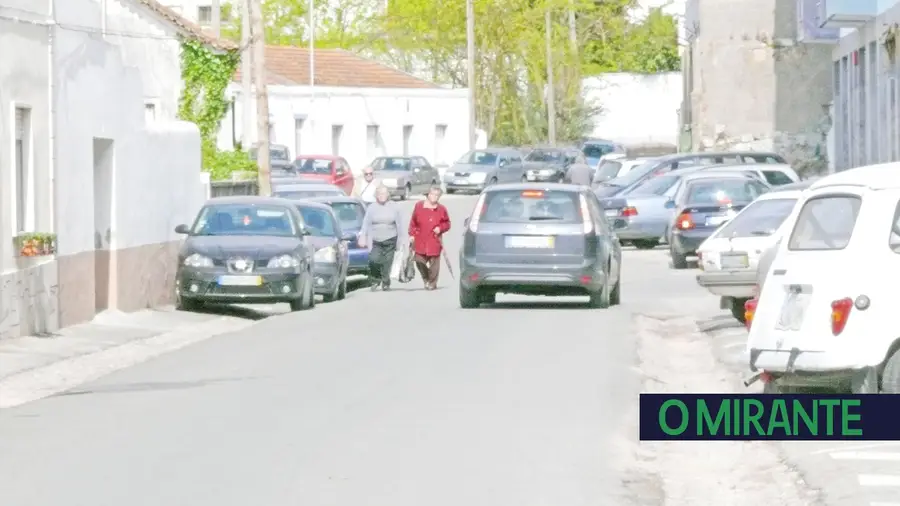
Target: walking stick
446	258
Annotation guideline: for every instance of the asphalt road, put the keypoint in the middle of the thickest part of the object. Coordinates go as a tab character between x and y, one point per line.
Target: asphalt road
385	399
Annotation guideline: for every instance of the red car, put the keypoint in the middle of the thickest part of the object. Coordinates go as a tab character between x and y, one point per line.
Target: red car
327	169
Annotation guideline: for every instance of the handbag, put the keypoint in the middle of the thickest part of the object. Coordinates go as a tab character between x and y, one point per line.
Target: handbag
408	271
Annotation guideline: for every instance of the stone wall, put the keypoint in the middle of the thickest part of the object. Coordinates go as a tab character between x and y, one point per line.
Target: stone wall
28	301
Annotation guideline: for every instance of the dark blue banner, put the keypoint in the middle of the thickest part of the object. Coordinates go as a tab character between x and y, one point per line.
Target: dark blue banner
705	417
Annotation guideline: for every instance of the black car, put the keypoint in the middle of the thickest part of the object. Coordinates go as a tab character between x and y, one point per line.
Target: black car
663	164
331	259
246	250
549	165
702	204
539	239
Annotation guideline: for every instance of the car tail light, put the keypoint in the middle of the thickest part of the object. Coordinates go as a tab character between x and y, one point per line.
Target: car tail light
585	215
629	211
532	194
750	311
840	312
476	214
684	222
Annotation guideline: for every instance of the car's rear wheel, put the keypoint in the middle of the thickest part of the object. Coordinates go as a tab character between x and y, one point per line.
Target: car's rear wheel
737	309
679	261
468	297
890	377
601	298
615	296
488	297
406	191
645	243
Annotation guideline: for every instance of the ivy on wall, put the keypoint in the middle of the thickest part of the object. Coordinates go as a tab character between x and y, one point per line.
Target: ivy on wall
206	74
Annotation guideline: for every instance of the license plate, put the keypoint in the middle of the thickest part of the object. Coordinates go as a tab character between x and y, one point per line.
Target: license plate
529	242
735	261
531	177
612	212
714	221
461	181
792	312
240	280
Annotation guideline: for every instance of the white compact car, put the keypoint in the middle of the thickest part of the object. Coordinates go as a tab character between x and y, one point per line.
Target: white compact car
730	257
824	317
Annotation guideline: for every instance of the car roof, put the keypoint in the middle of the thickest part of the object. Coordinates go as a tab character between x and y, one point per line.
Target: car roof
883	176
395	156
679	156
751	166
780	193
311	204
798	186
336	199
717	175
304	183
319	157
533	186
249	200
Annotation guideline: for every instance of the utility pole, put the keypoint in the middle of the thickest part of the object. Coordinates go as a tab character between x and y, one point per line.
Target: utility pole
246	75
216	18
312	68
551	92
262	98
470	63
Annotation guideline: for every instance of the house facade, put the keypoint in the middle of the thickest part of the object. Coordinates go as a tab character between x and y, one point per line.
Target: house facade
88	103
358	109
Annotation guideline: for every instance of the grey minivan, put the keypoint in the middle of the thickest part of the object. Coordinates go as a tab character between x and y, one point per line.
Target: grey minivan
539	239
480	168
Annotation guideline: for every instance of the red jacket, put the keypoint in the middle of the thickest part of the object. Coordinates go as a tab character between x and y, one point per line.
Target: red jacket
421	228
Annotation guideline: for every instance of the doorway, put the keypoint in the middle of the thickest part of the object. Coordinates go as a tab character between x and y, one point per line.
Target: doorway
104	162
407	135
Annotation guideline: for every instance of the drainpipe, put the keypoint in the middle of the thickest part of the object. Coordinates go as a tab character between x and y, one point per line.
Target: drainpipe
51	123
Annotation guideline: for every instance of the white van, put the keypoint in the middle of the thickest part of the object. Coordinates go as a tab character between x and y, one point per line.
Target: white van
825	314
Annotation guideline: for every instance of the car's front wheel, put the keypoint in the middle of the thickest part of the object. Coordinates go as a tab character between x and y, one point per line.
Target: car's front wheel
307	300
190	305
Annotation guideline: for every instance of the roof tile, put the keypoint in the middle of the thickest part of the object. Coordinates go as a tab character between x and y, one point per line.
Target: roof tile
187	27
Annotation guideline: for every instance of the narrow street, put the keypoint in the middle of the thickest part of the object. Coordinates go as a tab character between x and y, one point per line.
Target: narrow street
403	399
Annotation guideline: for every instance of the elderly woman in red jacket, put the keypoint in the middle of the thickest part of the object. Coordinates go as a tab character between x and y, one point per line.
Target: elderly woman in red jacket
428	223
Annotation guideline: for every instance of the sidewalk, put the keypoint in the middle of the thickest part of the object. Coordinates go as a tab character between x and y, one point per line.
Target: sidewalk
35	367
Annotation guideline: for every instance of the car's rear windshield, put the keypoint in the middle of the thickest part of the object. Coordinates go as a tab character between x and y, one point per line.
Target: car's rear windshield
244	219
306	194
777	178
313	166
392	163
634	175
350	214
723	191
544	155
518	206
658	185
318	221
760	219
608	169
825	223
596	150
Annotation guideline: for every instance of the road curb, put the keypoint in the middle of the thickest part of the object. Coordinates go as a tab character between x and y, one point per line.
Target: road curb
41	382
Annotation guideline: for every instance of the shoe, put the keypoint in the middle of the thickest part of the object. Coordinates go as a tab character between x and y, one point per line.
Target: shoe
374	287
386	288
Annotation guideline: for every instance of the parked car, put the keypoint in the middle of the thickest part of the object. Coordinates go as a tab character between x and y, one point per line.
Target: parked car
594	149
549	165
669	163
331	244
539	239
478	169
703	203
730	256
294	190
350	212
245	250
773	174
821	320
405	175
325	169
615	166
640	215
279	159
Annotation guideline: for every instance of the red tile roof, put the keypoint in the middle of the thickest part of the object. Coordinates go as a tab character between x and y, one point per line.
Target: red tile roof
289	65
186	27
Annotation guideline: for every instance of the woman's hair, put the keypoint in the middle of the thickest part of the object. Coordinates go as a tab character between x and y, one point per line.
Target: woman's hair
436	188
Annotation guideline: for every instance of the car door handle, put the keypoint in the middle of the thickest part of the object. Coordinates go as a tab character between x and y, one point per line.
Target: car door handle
779	272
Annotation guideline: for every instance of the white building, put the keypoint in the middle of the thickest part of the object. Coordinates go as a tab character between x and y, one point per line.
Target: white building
88	93
635	108
358	109
866	111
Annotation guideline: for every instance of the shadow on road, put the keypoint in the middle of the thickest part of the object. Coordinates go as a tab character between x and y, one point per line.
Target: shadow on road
538	305
718	323
151	386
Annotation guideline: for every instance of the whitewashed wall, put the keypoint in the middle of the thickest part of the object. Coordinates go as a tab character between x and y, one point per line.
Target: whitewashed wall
636	107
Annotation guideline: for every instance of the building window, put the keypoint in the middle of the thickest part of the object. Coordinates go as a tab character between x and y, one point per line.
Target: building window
440	133
337	131
150	111
23	174
407	135
298	136
204	15
373	141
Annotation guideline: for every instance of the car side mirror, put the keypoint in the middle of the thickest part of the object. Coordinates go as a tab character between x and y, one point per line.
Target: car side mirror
670	204
304	232
466	222
182	229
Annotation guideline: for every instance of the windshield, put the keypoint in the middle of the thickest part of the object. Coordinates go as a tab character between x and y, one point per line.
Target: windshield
479	158
313	166
658	185
596	150
761	218
306	194
517	206
825	223
392	164
723	191
544	155
244	219
350	214
318	221
608	169
634	175
280	154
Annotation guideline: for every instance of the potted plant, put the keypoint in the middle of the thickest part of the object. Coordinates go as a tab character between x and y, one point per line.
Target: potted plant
889	41
35	244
